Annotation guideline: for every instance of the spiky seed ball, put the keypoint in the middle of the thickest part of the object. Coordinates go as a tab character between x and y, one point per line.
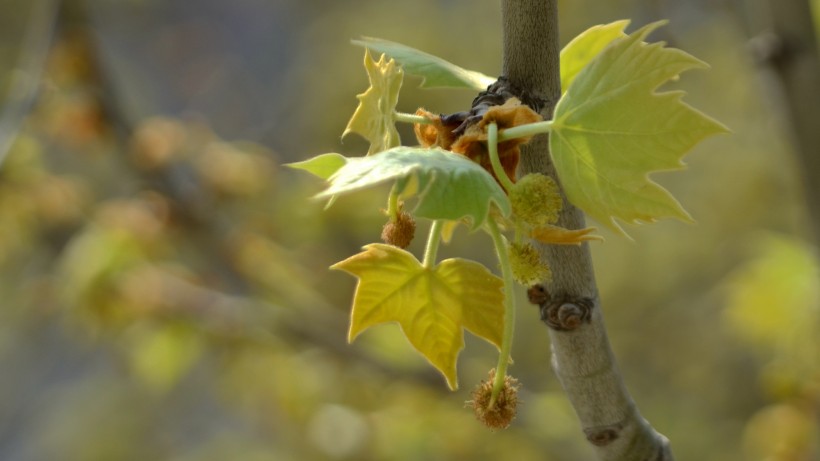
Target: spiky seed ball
527	267
501	414
399	232
535	200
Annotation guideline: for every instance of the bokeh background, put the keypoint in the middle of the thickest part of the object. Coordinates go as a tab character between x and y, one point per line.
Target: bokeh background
164	291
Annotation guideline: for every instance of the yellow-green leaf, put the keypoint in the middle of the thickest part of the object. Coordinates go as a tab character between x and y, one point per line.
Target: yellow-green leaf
374	118
431	304
612	129
323	166
434	71
583	48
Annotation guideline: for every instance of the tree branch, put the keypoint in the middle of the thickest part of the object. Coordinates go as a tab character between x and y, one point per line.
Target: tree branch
33	52
581	355
789	50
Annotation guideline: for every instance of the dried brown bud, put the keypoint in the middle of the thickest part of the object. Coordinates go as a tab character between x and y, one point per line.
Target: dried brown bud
502	412
399	232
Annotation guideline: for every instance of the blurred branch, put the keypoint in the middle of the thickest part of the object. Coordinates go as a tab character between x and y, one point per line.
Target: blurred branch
788	49
581	355
27	74
243	320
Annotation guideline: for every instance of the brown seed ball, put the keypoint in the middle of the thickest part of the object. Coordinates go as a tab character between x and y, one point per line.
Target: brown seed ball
503	411
399	232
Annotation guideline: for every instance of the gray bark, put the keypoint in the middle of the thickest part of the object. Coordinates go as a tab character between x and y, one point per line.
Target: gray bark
581	355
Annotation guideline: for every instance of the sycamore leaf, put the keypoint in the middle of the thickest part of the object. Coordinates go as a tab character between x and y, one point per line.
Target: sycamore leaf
374	118
611	129
447	185
583	48
322	166
432	305
436	72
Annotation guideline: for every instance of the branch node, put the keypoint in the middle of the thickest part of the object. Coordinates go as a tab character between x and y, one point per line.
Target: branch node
603	435
771	49
495	95
570	315
563	313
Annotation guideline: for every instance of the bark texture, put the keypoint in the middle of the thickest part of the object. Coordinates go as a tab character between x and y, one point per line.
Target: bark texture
581	355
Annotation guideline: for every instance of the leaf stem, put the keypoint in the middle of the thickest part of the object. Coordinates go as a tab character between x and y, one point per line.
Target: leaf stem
411	118
393	203
492	146
521	131
433	240
509	309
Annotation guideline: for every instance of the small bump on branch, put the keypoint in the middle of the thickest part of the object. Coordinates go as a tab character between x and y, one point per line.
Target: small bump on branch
771	49
603	435
564	313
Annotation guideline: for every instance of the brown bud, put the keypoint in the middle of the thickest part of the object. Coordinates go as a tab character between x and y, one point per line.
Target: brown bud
502	412
399	232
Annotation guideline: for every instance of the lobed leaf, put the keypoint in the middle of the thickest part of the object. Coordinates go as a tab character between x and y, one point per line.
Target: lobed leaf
373	118
583	48
431	305
435	72
612	129
447	185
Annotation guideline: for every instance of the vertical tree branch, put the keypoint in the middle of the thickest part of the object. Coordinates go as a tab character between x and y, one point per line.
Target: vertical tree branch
581	355
790	51
33	52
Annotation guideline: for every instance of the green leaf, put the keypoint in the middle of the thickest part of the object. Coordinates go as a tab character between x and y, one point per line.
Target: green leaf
373	118
431	305
435	71
611	129
322	166
583	48
447	185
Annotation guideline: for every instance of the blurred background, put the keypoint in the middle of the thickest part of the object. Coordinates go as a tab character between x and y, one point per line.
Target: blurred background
164	291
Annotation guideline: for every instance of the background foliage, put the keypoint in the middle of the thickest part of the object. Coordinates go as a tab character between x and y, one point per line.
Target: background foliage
164	291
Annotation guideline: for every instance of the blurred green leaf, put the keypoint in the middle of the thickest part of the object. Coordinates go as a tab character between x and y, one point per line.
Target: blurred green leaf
774	299
323	166
435	72
161	355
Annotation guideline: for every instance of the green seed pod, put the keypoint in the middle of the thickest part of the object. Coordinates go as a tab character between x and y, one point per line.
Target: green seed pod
535	200
527	267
